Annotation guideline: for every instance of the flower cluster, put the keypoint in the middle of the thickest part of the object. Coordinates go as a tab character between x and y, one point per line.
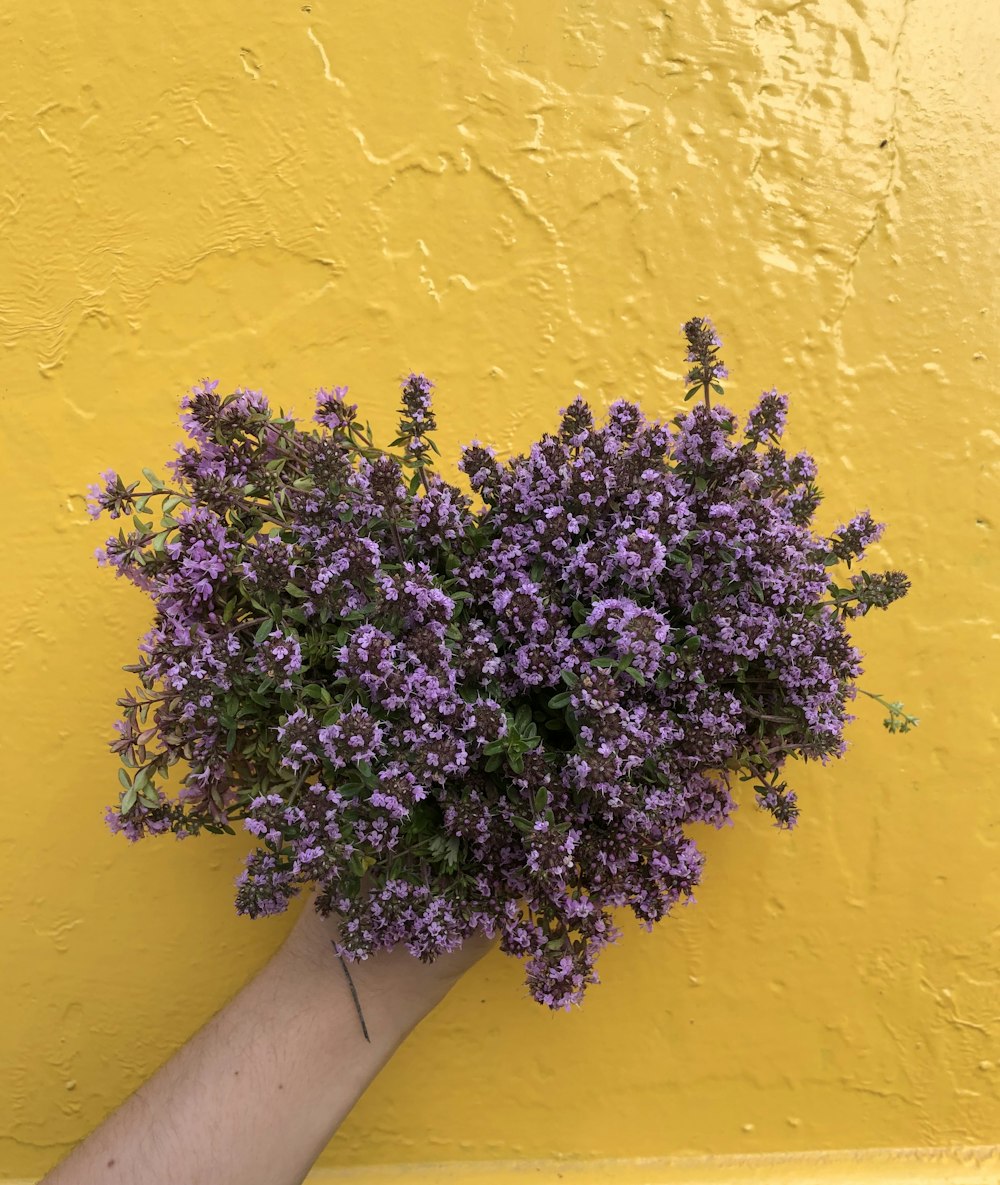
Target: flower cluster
499	712
703	348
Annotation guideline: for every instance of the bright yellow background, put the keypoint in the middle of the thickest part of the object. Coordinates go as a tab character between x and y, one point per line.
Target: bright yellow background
523	199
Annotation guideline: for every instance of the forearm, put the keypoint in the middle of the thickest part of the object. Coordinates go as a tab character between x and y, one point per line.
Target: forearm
258	1092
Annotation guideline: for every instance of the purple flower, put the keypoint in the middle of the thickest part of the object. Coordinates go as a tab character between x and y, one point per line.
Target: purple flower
331	410
851	540
501	718
703	345
767	419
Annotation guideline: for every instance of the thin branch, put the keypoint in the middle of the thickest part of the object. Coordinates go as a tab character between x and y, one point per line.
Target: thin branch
354	997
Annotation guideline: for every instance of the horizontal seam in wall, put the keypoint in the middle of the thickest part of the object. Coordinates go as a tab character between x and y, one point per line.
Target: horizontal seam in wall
978	1165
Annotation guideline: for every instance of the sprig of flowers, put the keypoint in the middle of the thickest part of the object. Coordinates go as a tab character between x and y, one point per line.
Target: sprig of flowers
703	348
499	712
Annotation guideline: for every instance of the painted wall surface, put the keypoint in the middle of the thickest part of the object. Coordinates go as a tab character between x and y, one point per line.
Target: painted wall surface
524	200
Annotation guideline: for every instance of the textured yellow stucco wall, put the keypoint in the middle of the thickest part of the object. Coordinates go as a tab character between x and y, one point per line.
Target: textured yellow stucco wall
523	199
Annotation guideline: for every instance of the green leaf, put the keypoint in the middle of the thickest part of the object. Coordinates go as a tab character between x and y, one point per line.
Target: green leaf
170	504
516	762
153	480
125	780
541	798
579	610
602	662
265	628
128	800
570	678
560	700
582	631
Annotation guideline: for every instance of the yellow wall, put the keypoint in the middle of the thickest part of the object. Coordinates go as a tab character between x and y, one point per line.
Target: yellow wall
523	199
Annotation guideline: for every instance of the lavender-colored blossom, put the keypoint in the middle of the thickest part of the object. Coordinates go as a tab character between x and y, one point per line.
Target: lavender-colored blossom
767	419
703	346
332	411
505	718
851	540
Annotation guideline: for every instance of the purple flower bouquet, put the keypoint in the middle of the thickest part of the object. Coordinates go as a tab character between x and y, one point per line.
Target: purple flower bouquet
500	712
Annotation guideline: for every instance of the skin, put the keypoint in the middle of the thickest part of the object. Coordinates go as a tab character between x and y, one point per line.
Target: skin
256	1095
